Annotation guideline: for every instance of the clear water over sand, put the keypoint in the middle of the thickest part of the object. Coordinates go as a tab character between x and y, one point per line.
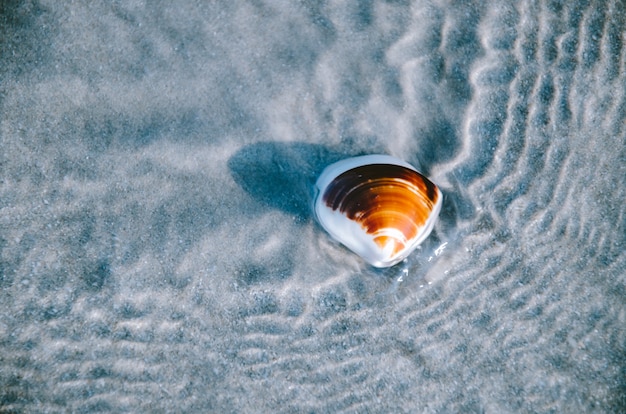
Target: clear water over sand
157	248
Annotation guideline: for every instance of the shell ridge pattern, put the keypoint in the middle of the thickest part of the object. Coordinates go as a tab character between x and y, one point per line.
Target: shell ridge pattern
360	200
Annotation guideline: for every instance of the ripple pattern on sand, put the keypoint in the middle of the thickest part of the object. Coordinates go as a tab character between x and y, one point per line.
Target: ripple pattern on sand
156	249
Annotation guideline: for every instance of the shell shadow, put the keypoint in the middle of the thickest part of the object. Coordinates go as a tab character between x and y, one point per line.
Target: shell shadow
282	175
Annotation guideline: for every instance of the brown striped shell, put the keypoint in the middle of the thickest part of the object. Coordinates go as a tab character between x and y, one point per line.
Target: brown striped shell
378	206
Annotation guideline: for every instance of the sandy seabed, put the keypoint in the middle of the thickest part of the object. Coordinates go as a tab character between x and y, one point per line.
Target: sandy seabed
157	248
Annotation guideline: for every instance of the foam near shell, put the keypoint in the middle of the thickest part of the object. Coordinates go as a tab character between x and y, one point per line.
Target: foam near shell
378	206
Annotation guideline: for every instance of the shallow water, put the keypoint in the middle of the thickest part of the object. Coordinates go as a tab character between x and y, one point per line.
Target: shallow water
157	247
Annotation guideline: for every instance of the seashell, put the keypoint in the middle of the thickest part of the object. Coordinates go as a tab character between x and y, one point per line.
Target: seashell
378	206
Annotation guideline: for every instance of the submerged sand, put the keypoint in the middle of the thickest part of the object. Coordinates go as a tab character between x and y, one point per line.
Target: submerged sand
157	248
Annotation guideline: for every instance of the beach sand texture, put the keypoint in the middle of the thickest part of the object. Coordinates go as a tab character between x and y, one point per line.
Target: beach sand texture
157	247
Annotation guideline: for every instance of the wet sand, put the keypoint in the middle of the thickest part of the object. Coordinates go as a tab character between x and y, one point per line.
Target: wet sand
157	247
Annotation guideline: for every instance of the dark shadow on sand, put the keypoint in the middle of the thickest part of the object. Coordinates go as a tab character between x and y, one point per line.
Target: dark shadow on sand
282	175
